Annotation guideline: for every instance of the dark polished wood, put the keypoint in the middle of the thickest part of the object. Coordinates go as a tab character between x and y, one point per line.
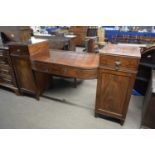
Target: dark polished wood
147	64
7	75
116	76
148	112
66	63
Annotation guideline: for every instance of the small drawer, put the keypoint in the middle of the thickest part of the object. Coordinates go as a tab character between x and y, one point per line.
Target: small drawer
19	50
63	70
4	80
4	66
70	72
6	76
3	71
39	66
4	60
3	52
117	62
56	69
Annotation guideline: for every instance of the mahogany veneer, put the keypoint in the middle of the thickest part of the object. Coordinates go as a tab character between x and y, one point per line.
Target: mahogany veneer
116	76
66	63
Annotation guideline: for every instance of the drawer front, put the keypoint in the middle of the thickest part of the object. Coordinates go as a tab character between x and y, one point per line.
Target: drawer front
55	69
65	70
19	50
48	68
117	62
5	71
5	76
8	81
4	60
4	66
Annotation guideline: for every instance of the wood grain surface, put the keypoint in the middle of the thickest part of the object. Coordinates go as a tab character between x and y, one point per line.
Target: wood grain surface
66	63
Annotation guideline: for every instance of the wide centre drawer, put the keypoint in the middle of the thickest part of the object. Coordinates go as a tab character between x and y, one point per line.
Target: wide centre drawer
66	71
48	68
118	62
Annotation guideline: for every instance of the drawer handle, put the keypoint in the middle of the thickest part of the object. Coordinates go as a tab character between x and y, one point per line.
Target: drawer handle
117	64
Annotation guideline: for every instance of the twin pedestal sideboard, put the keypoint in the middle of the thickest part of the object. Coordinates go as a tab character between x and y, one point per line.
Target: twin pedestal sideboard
32	64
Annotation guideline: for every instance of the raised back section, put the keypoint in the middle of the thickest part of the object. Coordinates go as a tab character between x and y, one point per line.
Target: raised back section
31	47
38	47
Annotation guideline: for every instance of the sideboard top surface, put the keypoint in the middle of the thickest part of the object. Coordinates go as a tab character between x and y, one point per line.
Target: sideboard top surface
121	50
68	58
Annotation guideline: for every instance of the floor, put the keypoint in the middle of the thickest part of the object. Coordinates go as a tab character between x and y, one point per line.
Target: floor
71	108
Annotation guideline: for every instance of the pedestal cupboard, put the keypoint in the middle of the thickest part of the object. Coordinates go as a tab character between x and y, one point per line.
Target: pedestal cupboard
116	76
28	81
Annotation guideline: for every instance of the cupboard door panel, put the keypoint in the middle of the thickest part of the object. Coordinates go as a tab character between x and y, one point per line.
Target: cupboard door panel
113	90
24	74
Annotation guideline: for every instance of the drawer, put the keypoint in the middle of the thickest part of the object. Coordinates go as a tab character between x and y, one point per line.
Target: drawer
40	66
4	66
117	62
3	80
64	70
56	69
4	71
6	76
19	50
48	68
4	52
4	60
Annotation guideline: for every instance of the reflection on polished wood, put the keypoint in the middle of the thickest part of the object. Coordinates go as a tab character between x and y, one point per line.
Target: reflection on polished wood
66	63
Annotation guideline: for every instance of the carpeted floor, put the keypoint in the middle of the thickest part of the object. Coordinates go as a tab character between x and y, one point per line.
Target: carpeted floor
74	109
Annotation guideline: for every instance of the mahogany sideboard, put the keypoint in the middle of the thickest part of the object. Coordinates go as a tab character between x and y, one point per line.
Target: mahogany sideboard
114	68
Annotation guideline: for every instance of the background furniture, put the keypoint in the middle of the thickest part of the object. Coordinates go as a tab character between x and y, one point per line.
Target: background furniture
109	34
116	76
16	33
61	41
91	44
80	32
133	39
148	113
94	40
147	64
7	75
